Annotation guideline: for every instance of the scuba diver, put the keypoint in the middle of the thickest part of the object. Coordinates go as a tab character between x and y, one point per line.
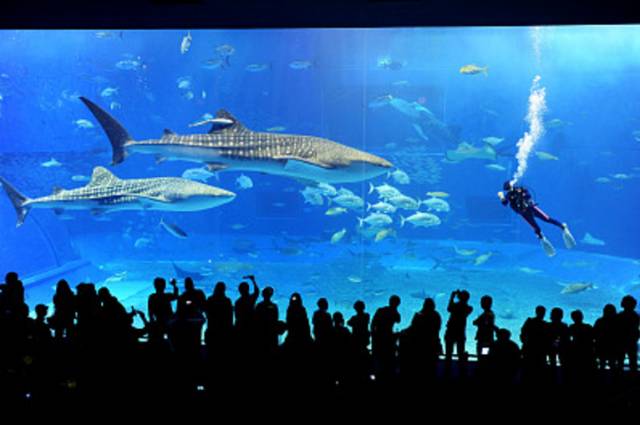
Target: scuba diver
521	202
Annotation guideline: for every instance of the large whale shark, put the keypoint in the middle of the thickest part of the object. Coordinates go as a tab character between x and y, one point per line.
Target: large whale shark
106	193
230	145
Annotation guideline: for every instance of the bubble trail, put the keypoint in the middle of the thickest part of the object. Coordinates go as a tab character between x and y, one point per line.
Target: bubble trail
537	107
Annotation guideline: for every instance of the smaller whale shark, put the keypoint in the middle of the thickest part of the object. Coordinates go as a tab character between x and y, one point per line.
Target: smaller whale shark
106	193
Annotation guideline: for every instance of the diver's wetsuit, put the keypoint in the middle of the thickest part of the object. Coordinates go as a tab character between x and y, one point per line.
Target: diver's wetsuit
520	201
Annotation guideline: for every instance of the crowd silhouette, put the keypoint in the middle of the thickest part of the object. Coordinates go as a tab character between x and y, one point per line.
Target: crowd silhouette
199	347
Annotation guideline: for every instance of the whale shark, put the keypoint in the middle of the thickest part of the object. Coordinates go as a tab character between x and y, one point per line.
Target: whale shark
107	193
231	145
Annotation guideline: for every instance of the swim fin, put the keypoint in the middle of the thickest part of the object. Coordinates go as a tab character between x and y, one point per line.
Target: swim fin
548	248
569	241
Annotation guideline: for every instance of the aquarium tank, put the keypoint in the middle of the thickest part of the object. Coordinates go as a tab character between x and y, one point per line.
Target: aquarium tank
351	164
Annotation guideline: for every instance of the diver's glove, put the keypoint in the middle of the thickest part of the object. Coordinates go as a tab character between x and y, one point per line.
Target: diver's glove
501	196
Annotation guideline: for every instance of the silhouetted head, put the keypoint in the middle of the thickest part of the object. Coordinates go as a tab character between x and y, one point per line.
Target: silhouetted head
23	311
359	306
628	303
556	314
609	310
577	316
159	284
394	301
323	304
188	284
104	294
219	289
41	311
464	296
11	278
338	319
540	312
267	293
507	186
486	302
428	305
63	287
243	289
295	300
503	335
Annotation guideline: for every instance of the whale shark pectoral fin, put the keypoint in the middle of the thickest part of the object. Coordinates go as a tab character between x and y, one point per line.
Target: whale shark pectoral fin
56	190
235	126
168	132
161	199
216	166
301	166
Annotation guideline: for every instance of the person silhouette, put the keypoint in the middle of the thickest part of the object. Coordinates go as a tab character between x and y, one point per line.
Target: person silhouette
558	338
485	323
64	303
420	345
383	339
581	348
629	333
606	338
504	357
267	323
455	334
160	309
361	335
534	336
219	313
244	309
322	323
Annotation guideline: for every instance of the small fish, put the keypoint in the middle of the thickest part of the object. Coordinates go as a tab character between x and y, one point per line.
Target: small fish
495	167
173	229
546	156
186	43
142	243
472	69
465	252
114	105
493	141
184	83
82	123
481	259
51	163
337	236
200	174
336	211
257	67
213	64
399	176
382	207
189	95
555	123
203	94
603	180
117	277
300	65
577	287
244	182
591	240
438	194
225	50
375	220
528	270
622	176
238	226
221	122
354	279
382	234
385	62
436	204
326	189
421	219
109	91
80	178
277	128
130	65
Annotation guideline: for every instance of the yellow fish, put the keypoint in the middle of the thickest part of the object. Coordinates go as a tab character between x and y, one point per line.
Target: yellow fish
546	156
474	69
335	211
482	258
438	194
383	234
337	236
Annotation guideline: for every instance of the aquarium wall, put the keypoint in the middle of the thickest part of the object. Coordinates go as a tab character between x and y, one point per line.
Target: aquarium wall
345	163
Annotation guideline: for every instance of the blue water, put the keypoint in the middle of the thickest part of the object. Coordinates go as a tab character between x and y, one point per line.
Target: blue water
590	78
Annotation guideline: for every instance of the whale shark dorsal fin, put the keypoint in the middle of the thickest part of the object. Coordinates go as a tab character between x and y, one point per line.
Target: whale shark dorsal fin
101	177
56	190
168	132
236	127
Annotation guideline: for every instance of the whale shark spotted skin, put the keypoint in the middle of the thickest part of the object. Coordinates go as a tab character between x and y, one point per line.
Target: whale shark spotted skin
106	193
230	145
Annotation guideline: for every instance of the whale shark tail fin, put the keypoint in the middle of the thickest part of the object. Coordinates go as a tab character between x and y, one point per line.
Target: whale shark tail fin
116	133
18	200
